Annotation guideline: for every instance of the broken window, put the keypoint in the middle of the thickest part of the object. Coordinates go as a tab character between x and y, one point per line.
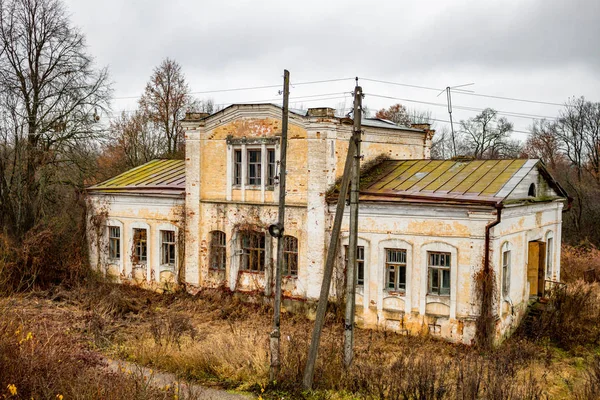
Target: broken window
254	167
439	273
360	264
140	246
505	272
290	256
395	267
114	242
218	250
237	167
253	251
167	248
271	167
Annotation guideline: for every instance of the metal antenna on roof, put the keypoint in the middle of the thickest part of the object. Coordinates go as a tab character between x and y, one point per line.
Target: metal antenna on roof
448	91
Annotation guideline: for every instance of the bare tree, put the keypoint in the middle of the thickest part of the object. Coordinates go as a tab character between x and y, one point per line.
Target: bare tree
487	136
543	143
51	96
134	141
165	101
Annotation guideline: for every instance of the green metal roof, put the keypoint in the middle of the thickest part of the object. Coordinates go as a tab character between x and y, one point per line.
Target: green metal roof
459	180
156	177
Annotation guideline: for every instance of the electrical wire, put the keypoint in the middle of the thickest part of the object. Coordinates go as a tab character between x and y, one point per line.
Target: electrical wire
250	88
468	93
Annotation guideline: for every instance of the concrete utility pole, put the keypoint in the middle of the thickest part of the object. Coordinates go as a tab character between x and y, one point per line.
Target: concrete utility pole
277	231
309	370
353	240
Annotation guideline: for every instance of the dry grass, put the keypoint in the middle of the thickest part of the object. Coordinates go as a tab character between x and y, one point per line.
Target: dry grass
216	339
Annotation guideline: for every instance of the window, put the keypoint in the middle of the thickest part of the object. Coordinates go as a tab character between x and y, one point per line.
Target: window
218	250
395	267
439	273
505	272
254	167
237	167
253	251
167	248
114	242
531	192
549	256
140	246
248	164
360	264
271	167
290	256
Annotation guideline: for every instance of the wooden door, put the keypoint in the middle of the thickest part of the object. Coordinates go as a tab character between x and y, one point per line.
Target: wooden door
533	267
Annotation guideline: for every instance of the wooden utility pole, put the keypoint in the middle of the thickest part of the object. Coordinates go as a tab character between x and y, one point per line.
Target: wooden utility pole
309	369
278	232
353	240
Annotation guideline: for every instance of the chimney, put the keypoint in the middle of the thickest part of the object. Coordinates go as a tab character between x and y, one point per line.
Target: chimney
321	112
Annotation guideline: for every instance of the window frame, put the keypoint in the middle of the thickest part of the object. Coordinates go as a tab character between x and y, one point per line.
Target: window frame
506	270
396	266
440	270
140	246
114	243
360	264
549	254
169	246
290	253
271	167
252	250
218	250
256	179
237	167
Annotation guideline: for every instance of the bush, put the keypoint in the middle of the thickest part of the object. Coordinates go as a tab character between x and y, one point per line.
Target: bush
577	260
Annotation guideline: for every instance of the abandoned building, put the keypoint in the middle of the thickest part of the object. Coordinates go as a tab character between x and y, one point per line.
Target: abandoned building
424	226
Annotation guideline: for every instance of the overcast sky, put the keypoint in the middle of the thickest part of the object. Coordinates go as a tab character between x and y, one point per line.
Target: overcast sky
544	50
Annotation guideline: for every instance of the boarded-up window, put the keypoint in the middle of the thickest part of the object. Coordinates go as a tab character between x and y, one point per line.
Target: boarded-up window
167	248
114	242
360	264
395	267
253	251
290	256
505	272
140	245
439	273
218	250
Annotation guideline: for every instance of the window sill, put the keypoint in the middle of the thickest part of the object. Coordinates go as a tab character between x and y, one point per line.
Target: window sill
248	271
396	293
211	269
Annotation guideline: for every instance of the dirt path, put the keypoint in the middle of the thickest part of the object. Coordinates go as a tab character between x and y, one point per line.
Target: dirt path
165	380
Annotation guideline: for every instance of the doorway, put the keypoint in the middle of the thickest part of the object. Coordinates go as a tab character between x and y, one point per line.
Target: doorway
536	270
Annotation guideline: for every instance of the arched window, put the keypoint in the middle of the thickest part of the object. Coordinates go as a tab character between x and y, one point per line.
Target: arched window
252	246
290	256
549	254
506	262
218	250
532	192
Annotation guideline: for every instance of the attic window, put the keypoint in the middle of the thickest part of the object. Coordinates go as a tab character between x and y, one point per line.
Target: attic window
531	192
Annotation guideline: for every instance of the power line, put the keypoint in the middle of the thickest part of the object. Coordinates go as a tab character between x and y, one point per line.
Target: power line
249	88
460	91
465	108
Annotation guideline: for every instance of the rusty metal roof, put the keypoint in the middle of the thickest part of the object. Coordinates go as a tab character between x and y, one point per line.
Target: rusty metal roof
453	180
154	177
